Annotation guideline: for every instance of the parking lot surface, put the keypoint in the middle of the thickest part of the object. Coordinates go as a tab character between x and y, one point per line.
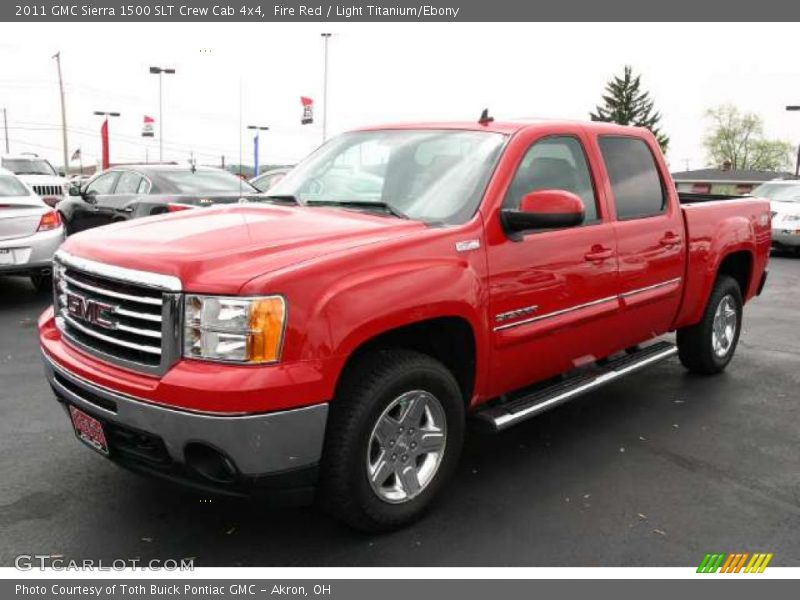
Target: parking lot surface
654	470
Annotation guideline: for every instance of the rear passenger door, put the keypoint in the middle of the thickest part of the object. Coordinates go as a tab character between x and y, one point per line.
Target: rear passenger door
649	232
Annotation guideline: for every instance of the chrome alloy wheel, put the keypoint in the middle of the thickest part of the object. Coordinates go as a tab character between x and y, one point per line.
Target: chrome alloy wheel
723	328
406	446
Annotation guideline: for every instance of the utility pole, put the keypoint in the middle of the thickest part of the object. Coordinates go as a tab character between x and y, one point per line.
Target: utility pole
57	56
161	71
5	126
797	164
326	37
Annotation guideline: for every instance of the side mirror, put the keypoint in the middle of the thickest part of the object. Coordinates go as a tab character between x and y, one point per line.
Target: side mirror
544	209
74	189
90	196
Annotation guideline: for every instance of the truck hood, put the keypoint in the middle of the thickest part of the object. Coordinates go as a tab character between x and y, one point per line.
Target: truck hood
219	249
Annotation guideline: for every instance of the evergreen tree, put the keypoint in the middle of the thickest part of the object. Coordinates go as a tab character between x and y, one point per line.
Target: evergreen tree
627	104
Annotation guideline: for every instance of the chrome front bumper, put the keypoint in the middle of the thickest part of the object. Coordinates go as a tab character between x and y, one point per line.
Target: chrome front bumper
258	445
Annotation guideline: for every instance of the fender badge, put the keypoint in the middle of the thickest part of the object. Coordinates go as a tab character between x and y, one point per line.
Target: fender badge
467	245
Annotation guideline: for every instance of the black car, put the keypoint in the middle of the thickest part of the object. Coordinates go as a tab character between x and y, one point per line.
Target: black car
130	192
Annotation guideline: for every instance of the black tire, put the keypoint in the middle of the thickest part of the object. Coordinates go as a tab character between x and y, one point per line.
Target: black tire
695	343
368	389
42	283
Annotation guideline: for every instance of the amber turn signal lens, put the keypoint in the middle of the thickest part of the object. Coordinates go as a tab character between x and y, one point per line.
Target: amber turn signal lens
266	329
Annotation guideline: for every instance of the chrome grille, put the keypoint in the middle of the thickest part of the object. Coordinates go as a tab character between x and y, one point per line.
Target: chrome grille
117	314
48	190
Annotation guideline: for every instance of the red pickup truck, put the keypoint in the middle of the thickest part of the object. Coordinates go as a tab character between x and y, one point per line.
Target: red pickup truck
335	338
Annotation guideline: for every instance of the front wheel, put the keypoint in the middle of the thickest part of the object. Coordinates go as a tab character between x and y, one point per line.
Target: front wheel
707	347
394	438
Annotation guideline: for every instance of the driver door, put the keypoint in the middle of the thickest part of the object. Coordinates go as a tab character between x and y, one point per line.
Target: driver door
553	293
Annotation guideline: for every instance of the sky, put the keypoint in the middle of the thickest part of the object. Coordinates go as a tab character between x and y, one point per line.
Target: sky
232	75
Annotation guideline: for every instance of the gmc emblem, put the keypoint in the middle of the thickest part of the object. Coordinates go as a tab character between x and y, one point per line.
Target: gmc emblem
90	311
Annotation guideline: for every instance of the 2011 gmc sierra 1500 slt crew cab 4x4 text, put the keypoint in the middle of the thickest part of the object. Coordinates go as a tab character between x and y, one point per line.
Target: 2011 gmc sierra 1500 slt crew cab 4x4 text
335	338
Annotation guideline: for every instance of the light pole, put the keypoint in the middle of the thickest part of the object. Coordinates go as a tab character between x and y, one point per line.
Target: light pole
256	143
57	56
161	71
795	107
326	37
104	138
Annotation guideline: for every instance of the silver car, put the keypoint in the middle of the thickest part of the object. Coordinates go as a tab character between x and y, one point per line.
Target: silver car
30	232
784	202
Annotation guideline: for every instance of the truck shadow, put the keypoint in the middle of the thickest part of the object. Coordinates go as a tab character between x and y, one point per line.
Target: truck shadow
533	470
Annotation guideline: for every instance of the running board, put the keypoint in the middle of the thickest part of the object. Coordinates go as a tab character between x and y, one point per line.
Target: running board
519	408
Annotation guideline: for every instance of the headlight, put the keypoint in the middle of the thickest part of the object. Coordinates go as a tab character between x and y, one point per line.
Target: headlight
246	330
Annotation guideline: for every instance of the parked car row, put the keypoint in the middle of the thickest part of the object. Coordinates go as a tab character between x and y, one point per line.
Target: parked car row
38	208
784	201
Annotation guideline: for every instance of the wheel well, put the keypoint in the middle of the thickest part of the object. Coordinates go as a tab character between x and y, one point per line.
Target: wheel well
738	265
449	340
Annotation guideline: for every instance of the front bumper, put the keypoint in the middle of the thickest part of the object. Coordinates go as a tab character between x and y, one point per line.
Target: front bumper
264	449
32	253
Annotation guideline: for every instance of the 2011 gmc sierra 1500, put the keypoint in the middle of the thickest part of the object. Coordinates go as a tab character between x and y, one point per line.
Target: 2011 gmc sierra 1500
335	338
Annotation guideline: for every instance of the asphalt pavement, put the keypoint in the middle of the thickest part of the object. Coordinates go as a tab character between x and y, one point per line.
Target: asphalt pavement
654	470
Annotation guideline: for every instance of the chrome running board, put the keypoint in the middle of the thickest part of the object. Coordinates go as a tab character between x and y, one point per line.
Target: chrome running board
517	408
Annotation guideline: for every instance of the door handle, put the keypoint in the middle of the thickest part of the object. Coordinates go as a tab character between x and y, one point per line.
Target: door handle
598	254
670	239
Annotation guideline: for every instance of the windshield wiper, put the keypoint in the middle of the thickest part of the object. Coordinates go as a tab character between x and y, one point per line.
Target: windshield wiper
370	204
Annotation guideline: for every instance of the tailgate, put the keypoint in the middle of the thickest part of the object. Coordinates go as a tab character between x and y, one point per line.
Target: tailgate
18	222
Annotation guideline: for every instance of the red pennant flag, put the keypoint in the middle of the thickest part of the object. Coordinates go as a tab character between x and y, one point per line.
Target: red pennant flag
308	110
104	139
148	129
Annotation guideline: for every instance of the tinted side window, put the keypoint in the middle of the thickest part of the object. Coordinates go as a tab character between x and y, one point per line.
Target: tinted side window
635	181
103	184
128	183
554	163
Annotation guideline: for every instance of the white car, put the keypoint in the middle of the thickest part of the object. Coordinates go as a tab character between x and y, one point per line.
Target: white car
39	174
30	232
784	200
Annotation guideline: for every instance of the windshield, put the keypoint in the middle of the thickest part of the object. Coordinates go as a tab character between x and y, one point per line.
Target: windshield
780	192
429	175
10	187
28	166
205	182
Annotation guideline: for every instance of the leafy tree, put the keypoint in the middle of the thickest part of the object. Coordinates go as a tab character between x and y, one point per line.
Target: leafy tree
625	103
738	138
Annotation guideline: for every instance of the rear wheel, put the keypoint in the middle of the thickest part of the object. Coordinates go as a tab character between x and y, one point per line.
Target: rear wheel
394	437
709	346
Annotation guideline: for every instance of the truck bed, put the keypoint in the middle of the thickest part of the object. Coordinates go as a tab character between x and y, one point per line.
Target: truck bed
715	227
692	198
